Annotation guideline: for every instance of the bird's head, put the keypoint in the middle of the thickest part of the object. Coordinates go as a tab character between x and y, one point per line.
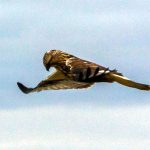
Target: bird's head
49	58
52	58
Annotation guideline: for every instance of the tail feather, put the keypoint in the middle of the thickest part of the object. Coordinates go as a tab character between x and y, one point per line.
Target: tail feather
127	82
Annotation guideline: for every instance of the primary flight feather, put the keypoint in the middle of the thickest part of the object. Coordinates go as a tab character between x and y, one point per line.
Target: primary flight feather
75	73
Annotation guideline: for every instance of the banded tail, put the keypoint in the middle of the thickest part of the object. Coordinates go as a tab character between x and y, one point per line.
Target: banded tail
127	82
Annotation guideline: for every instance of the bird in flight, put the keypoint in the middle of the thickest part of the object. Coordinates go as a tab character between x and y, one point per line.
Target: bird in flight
75	73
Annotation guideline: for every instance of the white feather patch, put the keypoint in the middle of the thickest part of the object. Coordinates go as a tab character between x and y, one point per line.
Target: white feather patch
100	72
121	77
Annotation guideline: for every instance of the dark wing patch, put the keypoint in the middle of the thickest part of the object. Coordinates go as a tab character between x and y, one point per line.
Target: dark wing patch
88	72
96	71
81	70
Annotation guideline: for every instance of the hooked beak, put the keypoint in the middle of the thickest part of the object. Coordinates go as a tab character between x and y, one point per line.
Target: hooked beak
47	67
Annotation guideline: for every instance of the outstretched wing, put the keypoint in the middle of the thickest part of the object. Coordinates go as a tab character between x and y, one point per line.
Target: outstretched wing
56	81
54	85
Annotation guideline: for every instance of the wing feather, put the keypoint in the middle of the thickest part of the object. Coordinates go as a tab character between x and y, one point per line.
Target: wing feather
54	85
82	70
57	75
56	81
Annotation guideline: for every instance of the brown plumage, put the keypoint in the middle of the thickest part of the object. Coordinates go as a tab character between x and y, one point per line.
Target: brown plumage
75	73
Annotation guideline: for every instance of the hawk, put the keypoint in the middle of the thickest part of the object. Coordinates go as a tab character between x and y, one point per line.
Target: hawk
75	73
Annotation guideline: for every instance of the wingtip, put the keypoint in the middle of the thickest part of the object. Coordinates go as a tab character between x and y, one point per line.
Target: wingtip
23	88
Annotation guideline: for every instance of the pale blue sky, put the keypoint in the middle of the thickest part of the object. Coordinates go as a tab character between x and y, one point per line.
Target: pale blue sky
115	34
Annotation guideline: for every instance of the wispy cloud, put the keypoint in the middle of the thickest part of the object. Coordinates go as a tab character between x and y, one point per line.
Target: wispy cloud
75	127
